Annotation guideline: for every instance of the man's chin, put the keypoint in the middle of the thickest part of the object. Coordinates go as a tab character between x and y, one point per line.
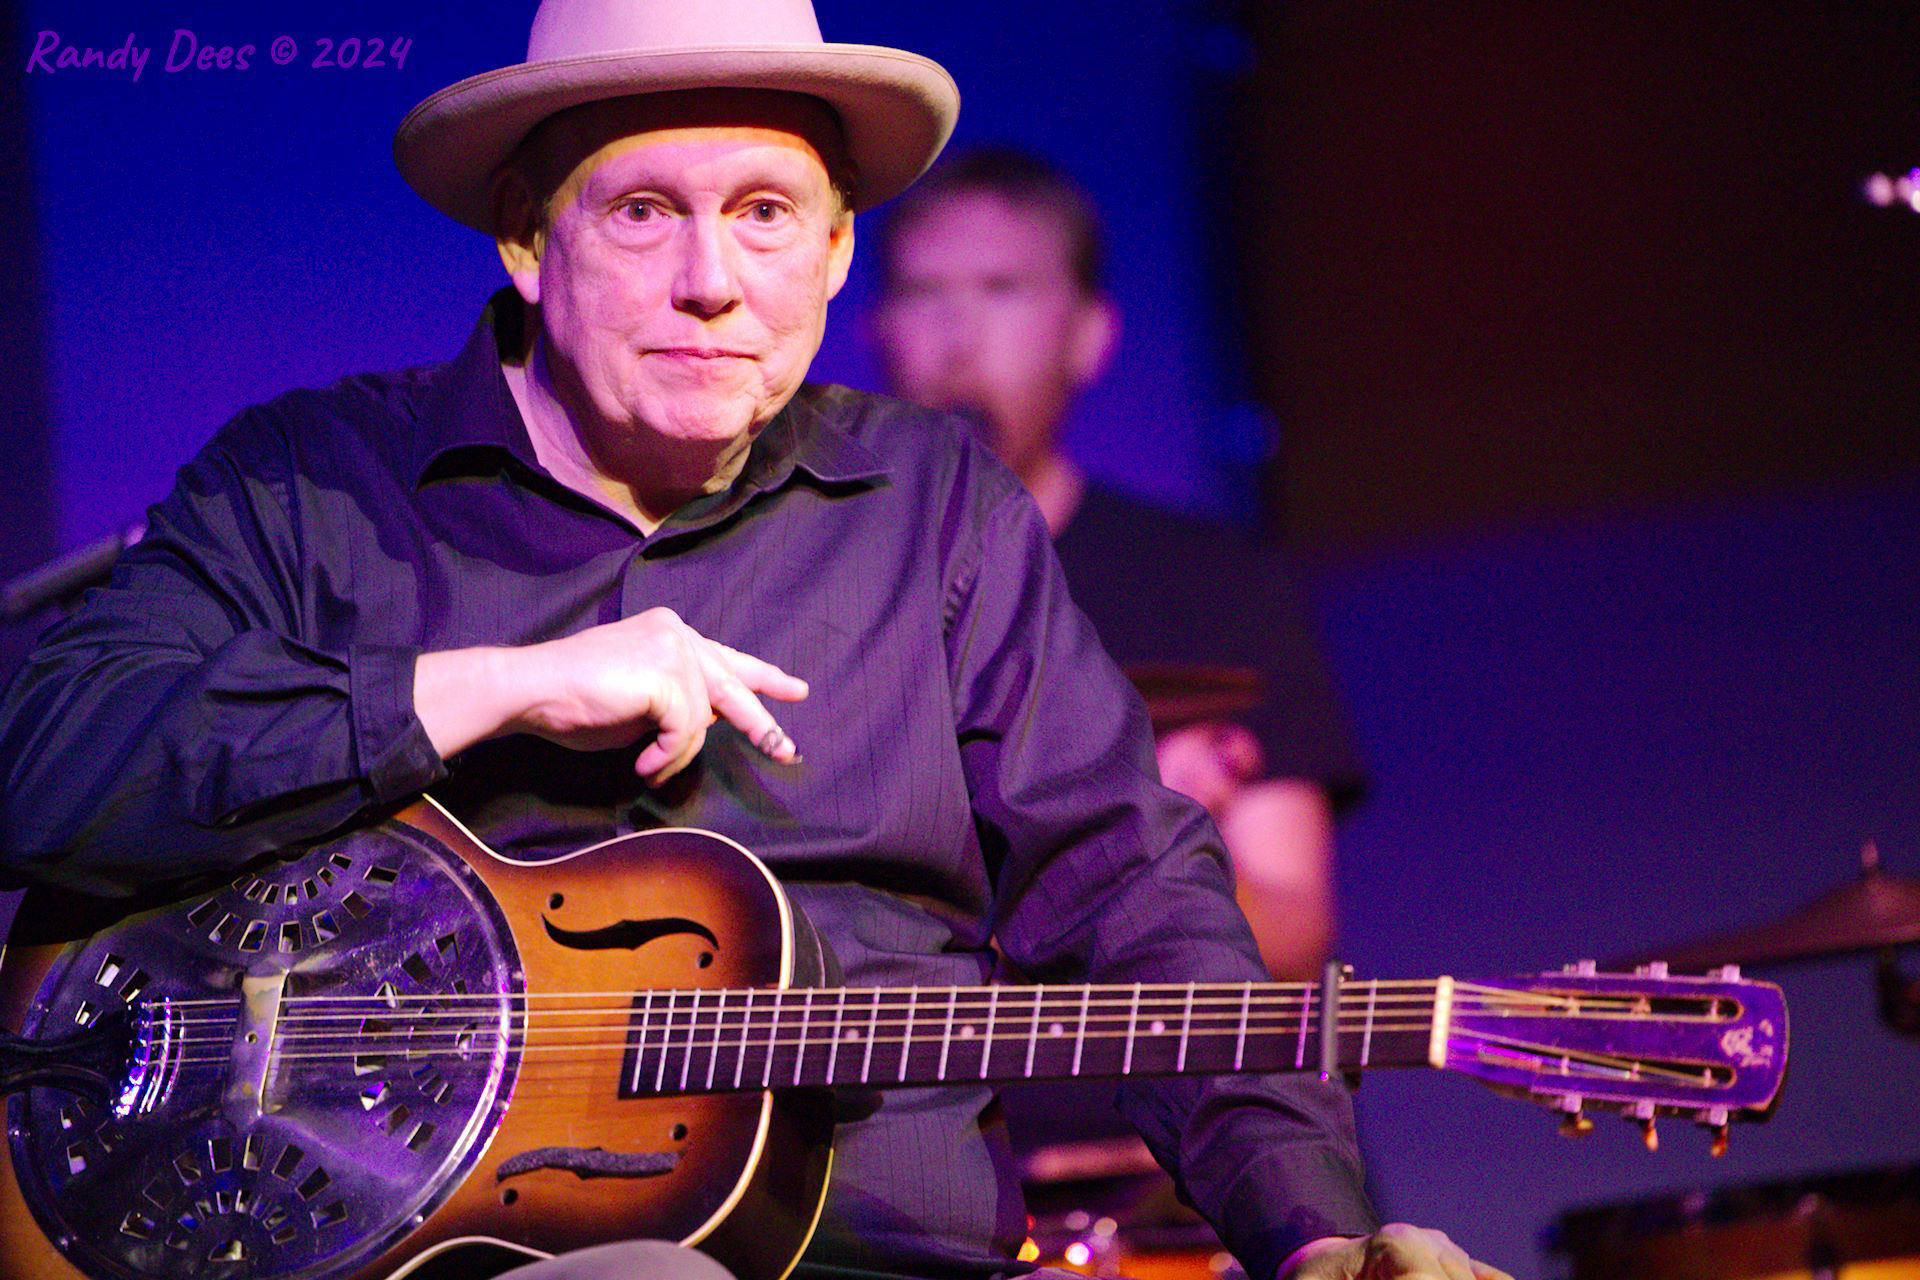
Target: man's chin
692	426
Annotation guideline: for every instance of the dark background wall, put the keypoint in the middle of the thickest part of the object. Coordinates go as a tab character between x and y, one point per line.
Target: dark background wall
1590	374
1515	261
26	482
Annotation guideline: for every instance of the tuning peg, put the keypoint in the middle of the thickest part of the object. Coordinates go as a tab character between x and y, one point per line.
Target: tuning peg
1657	969
1714	1120
1574	1123
1725	973
1643	1113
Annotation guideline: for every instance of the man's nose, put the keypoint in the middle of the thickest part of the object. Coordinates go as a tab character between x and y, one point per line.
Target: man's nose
953	329
707	284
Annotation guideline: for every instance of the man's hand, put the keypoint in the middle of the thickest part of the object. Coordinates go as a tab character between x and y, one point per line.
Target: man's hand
1398	1251
1210	761
605	687
1278	831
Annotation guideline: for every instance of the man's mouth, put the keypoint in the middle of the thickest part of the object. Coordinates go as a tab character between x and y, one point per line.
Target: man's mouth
700	353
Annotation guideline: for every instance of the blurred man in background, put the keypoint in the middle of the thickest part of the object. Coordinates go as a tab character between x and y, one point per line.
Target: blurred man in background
994	305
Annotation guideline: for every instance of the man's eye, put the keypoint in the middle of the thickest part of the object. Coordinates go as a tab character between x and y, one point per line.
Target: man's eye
639	211
765	211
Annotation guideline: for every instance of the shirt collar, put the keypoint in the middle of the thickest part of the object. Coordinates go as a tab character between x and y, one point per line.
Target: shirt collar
471	407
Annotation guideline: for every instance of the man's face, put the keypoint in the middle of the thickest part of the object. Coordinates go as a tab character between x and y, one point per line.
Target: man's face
690	246
983	313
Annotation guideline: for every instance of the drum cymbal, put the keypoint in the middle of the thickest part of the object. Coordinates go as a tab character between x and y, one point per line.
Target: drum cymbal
1182	693
1877	910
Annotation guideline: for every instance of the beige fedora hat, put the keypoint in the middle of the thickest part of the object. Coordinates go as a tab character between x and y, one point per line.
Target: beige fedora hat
897	108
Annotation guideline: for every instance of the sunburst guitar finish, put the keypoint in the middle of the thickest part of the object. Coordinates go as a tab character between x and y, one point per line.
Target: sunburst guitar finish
339	1071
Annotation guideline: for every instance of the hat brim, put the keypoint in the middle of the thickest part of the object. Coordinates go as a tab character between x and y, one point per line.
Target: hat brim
897	108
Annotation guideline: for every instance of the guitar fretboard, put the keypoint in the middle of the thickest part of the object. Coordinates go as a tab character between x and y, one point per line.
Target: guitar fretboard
722	1040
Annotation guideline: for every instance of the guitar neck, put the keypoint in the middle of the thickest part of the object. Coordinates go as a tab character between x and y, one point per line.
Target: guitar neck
715	1041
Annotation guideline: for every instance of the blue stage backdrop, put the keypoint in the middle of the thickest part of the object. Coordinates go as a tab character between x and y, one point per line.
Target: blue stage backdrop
214	236
1586	740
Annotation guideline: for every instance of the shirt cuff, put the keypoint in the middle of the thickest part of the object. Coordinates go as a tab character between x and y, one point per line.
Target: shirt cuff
1338	1207
391	745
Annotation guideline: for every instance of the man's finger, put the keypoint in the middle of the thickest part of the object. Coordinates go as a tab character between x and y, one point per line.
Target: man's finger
1452	1260
734	701
760	675
681	713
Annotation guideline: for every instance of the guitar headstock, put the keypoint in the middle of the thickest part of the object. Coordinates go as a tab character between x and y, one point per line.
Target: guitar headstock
1646	1043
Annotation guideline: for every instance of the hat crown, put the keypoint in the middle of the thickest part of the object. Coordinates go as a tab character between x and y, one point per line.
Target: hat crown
584	28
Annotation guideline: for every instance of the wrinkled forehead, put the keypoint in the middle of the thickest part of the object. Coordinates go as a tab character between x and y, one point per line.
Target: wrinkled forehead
565	147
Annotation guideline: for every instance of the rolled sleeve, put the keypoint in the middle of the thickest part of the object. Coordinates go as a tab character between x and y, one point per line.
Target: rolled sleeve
396	756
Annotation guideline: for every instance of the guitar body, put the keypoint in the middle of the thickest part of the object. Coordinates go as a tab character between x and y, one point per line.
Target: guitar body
406	1126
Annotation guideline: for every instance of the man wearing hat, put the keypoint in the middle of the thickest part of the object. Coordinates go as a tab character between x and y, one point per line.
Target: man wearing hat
617	519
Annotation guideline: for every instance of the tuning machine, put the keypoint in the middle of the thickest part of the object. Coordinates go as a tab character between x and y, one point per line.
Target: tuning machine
1574	1122
1714	1121
1641	1113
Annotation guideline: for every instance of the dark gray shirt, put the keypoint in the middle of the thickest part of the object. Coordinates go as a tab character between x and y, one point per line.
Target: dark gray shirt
974	764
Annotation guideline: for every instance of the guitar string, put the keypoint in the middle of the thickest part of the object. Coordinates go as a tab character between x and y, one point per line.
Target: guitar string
1633	1067
408	1022
347	1042
1230	995
626	1040
536	1079
622	1045
706	1022
1074	989
699	1023
680	1010
735	1033
691	1031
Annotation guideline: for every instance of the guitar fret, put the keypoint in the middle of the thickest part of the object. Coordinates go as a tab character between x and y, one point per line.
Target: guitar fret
773	1036
666	1041
873	1028
1186	1028
713	1051
986	1042
1133	1019
1300	1045
806	1017
693	1023
746	1026
906	1034
833	1051
946	1037
1080	1037
1033	1035
640	1045
1240	1040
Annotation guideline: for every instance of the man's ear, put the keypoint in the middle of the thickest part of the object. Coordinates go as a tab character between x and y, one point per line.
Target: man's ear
839	253
519	232
1093	340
